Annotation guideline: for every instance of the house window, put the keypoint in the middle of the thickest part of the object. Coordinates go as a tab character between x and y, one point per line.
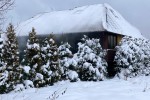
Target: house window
112	41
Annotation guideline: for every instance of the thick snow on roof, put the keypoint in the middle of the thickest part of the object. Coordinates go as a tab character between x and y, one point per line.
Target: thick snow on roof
91	18
117	24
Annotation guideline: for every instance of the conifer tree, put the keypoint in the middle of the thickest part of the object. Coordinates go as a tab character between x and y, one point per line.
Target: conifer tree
90	58
46	54
1	53
54	61
3	71
33	60
11	58
67	63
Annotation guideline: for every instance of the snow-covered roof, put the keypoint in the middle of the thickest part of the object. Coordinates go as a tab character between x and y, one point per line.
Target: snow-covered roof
99	17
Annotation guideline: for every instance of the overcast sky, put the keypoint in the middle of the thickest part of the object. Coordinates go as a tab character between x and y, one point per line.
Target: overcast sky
137	12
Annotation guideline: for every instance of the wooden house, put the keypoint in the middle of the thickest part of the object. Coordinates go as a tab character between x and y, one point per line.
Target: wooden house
97	21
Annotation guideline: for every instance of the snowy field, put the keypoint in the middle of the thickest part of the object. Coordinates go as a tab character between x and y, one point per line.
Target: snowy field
113	89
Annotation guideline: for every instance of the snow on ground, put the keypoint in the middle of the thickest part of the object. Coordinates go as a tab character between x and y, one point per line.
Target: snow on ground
113	89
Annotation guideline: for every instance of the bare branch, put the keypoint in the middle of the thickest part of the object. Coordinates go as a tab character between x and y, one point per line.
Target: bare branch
5	6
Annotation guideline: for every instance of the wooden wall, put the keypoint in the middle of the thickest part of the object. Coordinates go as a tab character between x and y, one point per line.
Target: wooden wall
71	38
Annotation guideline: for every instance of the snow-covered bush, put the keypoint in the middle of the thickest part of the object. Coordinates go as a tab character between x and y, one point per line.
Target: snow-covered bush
72	75
28	84
19	87
133	57
67	63
90	58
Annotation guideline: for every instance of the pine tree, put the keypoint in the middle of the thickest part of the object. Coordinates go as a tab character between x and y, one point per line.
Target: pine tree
46	54
67	63
11	58
3	71
90	58
54	61
33	61
1	53
2	64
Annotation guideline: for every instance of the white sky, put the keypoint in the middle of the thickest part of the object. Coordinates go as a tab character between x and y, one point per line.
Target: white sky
134	11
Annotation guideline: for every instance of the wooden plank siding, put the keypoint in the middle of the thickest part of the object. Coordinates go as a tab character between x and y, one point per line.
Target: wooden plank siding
71	38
